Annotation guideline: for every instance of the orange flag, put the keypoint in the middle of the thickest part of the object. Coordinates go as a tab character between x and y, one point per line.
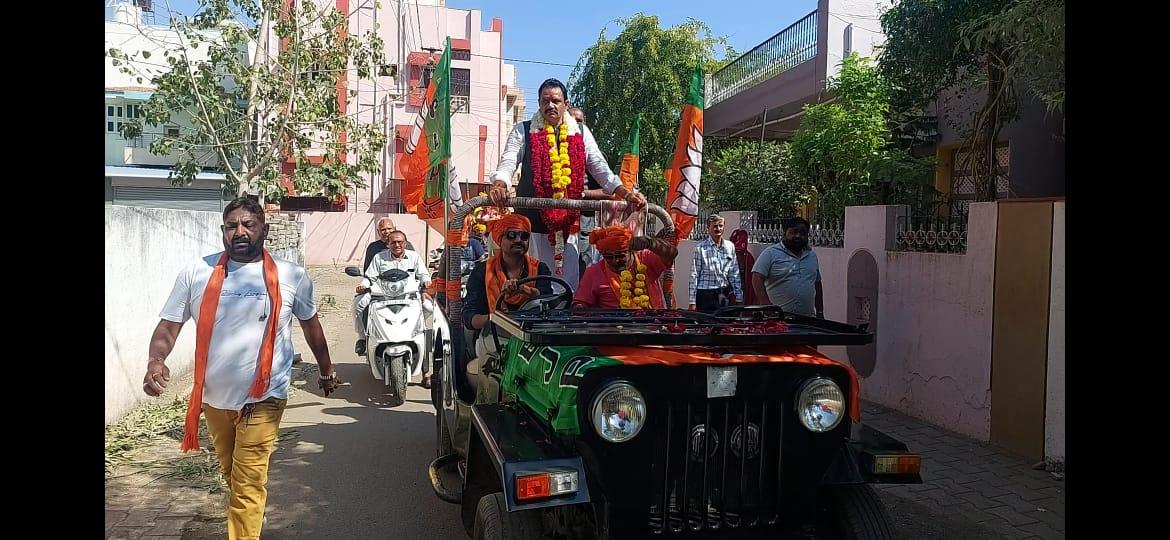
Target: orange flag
682	177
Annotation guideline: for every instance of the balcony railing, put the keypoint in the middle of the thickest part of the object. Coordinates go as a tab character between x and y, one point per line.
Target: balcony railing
460	104
137	152
932	235
787	49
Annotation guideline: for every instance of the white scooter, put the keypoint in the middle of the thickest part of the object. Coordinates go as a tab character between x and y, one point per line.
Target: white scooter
401	329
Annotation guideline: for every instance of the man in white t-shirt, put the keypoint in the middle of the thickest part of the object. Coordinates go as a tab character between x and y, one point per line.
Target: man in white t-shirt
243	354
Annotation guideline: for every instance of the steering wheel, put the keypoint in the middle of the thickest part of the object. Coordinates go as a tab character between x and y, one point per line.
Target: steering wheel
560	300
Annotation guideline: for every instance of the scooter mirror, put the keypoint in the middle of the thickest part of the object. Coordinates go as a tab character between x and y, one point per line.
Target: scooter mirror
353	271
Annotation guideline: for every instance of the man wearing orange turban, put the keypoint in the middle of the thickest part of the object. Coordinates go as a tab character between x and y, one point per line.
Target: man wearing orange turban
499	273
628	274
476	246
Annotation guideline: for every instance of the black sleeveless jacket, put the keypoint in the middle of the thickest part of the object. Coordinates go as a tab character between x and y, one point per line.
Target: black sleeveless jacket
526	189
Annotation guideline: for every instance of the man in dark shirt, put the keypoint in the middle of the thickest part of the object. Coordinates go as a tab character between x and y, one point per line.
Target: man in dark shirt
498	274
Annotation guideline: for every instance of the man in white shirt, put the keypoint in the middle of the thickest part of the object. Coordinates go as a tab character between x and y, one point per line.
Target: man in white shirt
518	153
243	301
396	256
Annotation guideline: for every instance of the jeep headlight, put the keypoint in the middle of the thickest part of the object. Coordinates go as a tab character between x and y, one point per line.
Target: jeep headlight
820	405
618	412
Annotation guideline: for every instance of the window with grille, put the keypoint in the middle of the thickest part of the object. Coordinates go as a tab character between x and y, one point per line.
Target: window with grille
426	77
460	54
117	114
963	185
317	74
460	82
460	90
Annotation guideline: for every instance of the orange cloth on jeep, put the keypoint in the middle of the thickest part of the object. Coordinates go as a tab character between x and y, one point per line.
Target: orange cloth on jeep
676	356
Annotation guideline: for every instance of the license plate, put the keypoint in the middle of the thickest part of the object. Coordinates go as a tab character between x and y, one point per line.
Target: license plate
721	381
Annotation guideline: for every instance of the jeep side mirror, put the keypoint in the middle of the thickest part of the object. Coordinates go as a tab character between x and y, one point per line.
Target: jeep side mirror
353	271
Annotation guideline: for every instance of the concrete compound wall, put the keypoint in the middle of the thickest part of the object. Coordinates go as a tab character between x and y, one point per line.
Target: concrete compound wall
145	249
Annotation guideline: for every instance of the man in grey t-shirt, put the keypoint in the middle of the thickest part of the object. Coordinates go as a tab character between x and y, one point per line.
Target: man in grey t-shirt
788	274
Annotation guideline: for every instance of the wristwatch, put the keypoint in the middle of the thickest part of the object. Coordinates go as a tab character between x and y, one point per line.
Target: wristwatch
332	376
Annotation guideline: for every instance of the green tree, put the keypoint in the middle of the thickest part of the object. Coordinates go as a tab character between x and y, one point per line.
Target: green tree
843	146
652	183
923	53
250	110
747	175
1032	35
645	69
996	46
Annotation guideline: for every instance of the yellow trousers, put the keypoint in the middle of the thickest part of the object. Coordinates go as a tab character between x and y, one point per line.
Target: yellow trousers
244	443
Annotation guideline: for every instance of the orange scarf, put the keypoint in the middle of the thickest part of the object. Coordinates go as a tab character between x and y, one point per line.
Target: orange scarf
494	279
203	329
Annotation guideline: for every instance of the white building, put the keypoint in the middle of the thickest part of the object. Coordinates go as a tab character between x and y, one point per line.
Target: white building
486	103
134	176
486	99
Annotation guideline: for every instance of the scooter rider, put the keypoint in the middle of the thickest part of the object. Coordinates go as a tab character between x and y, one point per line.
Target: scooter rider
385	227
361	301
397	257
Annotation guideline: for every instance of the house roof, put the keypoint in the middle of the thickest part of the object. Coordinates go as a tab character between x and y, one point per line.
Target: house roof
129	92
150	172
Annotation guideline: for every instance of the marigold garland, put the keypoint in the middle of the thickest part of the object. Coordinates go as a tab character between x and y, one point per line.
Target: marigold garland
558	168
633	288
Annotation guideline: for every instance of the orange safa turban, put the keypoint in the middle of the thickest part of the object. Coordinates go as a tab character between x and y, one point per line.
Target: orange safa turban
611	239
511	221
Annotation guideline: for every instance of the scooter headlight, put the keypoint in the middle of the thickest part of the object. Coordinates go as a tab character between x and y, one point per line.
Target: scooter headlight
395	288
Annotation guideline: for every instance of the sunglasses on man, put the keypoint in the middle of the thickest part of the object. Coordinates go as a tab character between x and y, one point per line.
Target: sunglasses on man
512	235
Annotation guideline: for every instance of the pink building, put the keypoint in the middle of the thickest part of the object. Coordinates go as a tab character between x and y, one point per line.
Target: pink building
486	103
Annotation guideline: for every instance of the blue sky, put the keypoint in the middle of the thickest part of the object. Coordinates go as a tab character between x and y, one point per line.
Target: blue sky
559	32
532	31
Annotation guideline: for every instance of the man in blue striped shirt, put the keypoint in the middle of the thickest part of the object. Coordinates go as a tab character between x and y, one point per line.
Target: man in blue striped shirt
715	281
